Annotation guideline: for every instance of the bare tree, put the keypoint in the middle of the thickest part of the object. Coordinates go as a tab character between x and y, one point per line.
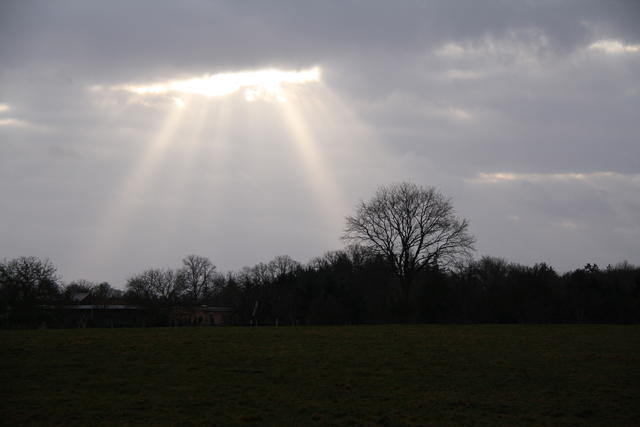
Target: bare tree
28	279
281	269
79	285
139	287
260	274
413	227
104	291
163	283
196	275
282	265
156	284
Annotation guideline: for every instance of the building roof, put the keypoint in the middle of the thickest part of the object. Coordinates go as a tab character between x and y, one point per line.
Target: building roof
79	296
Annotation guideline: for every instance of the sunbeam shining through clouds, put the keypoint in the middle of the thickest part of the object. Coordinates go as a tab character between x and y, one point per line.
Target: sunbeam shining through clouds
133	133
203	124
266	84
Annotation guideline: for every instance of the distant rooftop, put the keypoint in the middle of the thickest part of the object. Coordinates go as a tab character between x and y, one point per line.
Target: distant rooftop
79	296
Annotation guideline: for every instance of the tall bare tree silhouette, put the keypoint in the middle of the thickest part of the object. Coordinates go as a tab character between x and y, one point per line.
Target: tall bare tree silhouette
413	227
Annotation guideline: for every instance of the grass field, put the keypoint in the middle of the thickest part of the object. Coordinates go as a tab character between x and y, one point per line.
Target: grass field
360	375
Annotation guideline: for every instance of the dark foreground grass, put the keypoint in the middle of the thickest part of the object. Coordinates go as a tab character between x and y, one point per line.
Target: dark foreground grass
363	375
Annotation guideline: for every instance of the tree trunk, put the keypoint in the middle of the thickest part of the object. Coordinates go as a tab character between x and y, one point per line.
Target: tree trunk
406	293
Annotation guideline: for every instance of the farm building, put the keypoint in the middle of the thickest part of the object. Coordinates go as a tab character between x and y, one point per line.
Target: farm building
81	311
201	316
92	315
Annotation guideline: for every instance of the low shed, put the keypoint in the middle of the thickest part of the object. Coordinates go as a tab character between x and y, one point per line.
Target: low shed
201	316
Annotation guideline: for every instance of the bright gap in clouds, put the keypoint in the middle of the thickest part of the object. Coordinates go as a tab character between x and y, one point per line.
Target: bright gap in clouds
204	131
614	47
264	84
500	177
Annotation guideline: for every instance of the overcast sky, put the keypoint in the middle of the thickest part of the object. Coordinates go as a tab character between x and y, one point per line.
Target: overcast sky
525	113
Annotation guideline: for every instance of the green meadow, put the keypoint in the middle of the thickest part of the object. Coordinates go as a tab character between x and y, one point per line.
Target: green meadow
351	375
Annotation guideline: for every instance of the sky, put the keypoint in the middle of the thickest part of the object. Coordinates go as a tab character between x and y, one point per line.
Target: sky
135	133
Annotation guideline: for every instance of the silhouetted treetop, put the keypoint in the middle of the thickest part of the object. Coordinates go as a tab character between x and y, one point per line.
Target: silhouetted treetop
414	227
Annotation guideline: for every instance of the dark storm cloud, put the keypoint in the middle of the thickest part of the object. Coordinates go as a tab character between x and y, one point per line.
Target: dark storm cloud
449	90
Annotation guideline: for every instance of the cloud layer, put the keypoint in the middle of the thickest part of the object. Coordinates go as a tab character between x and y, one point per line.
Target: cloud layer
524	113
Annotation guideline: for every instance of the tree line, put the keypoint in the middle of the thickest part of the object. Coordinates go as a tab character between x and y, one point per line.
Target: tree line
349	286
408	258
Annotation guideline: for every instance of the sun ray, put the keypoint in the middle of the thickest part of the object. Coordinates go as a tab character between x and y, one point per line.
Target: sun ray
120	211
216	150
348	144
204	156
330	201
190	148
